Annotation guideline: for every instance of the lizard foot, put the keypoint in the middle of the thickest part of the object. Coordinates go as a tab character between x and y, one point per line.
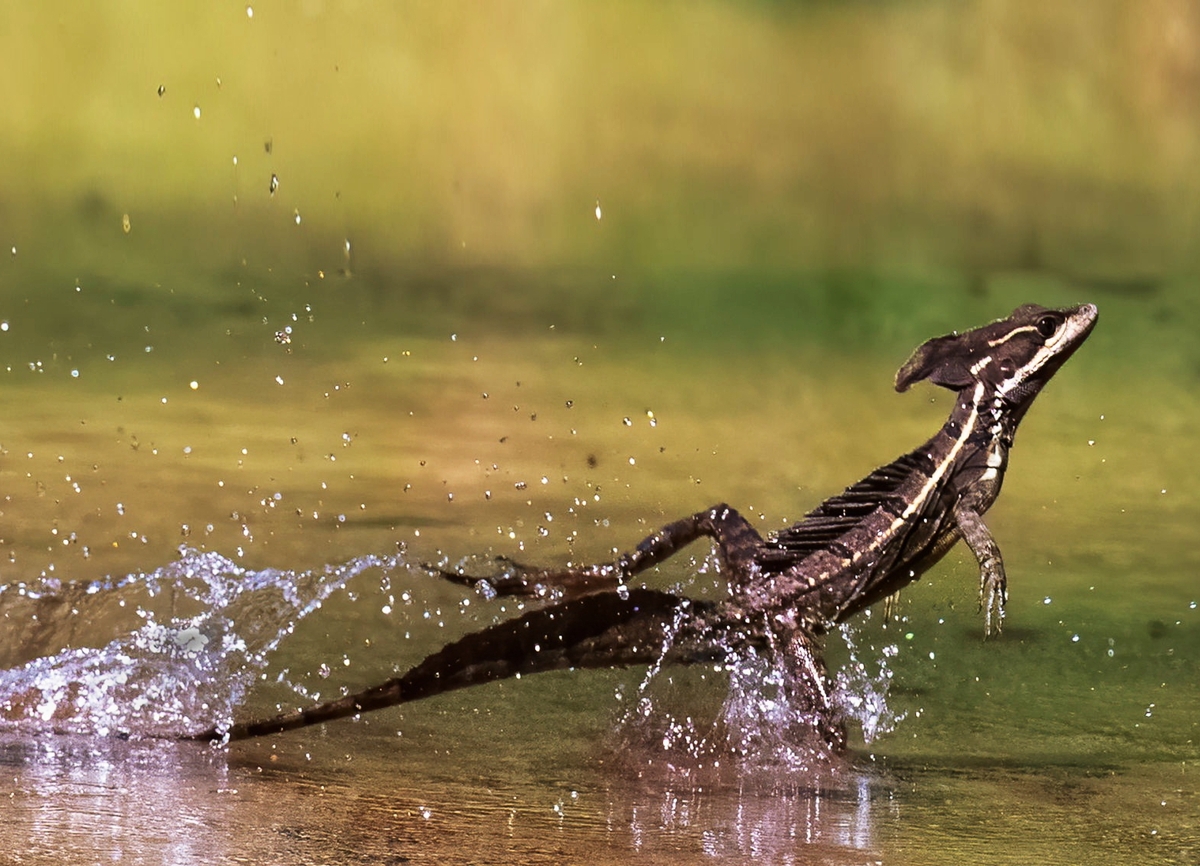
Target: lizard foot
993	594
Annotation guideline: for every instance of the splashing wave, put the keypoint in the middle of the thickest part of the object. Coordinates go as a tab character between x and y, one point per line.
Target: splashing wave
207	629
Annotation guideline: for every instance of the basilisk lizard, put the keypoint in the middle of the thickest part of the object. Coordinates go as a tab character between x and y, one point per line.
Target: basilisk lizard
787	589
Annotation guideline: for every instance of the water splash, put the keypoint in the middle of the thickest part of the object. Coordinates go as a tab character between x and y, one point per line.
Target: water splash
861	688
737	720
207	628
764	719
178	649
753	718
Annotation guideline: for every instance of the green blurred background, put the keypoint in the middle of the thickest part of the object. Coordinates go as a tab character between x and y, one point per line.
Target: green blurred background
908	136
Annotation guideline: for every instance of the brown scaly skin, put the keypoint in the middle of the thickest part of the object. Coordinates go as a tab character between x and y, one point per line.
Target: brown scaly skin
786	590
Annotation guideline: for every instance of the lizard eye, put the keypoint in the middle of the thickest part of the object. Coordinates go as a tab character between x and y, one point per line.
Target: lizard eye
1046	326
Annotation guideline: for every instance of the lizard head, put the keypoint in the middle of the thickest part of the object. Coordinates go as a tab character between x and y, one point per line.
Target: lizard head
1013	357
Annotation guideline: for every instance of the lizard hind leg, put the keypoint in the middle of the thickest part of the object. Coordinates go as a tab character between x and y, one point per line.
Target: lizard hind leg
780	708
737	543
511	578
810	691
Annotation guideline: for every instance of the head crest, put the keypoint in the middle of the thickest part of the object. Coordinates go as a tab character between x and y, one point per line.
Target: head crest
944	361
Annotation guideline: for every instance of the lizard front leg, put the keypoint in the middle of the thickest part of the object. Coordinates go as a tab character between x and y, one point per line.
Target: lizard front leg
993	584
737	542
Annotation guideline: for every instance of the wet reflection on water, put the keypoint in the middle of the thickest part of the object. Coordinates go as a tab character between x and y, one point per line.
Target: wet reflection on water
822	820
83	800
356	799
86	800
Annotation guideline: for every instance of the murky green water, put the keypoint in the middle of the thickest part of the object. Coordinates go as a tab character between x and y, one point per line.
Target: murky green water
534	282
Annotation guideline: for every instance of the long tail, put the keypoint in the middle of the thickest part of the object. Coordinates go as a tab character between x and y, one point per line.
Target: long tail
597	631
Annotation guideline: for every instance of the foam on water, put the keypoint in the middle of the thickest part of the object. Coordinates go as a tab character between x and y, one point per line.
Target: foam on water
207	629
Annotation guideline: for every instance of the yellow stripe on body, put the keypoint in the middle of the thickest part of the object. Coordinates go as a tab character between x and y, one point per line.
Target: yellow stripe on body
930	485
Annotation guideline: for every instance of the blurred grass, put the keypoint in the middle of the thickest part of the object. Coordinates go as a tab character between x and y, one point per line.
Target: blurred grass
845	176
980	136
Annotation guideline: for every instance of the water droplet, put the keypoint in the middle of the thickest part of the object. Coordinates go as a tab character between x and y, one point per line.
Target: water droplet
196	112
